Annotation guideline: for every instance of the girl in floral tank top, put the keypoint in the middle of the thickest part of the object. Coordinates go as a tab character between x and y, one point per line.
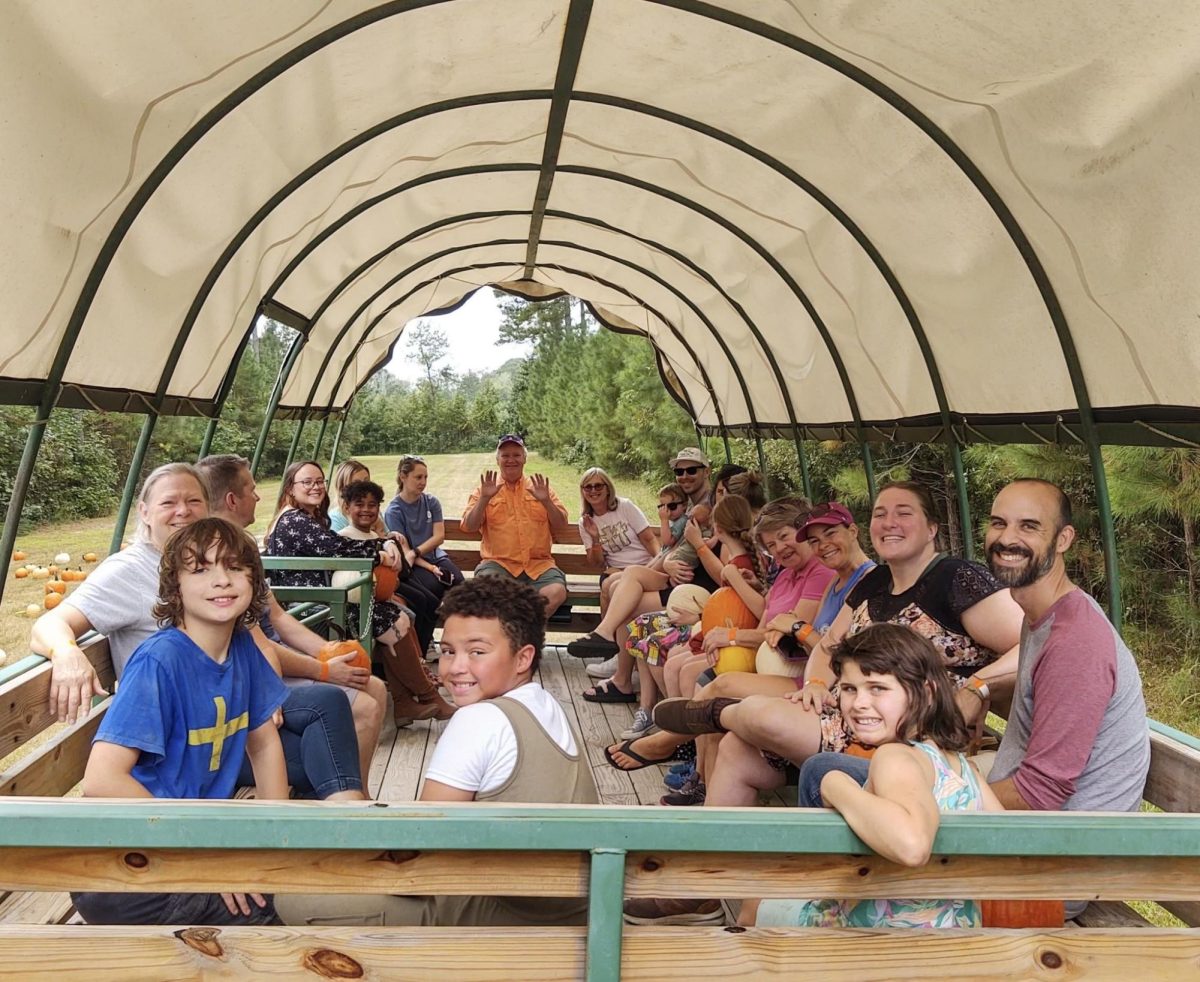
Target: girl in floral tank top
895	696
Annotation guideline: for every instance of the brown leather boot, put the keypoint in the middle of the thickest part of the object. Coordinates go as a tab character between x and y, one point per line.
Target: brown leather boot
420	699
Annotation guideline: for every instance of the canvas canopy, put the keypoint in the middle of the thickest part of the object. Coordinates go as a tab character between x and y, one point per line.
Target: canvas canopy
833	218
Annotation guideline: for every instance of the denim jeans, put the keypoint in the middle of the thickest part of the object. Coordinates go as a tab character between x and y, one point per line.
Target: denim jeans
167	908
815	769
319	743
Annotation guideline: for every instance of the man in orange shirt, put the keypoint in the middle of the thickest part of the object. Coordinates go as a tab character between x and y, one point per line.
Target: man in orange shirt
517	517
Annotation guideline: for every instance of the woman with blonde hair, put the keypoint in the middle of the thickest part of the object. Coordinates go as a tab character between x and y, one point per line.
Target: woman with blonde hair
614	530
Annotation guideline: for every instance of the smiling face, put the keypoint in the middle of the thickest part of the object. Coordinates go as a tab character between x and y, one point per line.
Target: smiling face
692	477
510	458
1024	539
174	502
308	488
900	529
873	705
786	547
478	661
363	512
214	592
834	545
413	483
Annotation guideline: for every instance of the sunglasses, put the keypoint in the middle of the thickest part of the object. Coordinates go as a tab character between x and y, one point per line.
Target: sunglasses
680	471
594	487
818	511
672	505
413	459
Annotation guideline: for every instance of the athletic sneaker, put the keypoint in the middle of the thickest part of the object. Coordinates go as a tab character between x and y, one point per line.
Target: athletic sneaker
602	670
643	725
675	780
692	793
649	910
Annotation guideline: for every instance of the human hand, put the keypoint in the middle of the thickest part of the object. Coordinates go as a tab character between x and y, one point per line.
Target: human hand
236	903
718	637
389	555
591	528
782	623
771	636
692	534
277	717
73	682
969	704
341	672
411	556
489	484
678	572
815	696
540	487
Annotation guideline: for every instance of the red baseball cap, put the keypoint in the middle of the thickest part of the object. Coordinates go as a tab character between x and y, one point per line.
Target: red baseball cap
830	513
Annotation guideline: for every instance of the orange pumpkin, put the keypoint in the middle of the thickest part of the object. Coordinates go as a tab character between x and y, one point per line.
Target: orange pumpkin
333	649
56	586
52	600
89	557
386	581
18	555
52	569
20	572
726	609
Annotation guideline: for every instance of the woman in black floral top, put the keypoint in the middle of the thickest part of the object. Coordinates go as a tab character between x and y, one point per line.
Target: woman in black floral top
971	620
301	528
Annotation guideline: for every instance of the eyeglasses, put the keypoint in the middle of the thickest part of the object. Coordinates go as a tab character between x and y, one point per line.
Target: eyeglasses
672	505
310	483
594	487
680	471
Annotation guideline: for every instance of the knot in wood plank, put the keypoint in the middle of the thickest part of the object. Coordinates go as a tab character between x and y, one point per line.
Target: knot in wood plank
202	939
332	964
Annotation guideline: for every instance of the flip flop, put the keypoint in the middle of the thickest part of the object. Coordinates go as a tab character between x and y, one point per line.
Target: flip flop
607	691
626	748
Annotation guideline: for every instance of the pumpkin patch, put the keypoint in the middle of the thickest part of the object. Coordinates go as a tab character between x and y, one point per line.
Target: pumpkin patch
52	600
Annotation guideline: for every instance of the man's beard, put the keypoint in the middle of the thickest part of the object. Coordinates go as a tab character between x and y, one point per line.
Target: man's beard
1015	577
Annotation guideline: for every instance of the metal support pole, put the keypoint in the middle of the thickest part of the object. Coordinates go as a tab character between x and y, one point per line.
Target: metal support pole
320	437
295	443
869	469
606	896
337	438
802	458
276	394
206	444
33	443
1108	534
131	481
964	505
762	457
728	452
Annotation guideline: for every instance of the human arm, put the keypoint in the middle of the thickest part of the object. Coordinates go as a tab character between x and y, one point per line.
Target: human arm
895	813
539	487
648	540
293	634
266	760
476	511
736	579
781	624
436	791
818	672
73	680
109	772
994	622
589	535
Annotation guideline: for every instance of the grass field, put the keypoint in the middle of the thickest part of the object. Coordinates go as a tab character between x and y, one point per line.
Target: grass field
452	477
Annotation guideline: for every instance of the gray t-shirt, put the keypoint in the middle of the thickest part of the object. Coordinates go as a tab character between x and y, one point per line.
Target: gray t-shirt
117	598
1077	737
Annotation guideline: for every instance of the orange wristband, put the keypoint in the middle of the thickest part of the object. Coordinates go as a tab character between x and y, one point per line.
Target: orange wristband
324	676
816	681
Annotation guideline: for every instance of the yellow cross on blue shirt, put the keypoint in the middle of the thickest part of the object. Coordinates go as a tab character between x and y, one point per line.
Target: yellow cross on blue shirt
218	733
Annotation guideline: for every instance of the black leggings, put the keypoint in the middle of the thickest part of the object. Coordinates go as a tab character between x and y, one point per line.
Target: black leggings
424	605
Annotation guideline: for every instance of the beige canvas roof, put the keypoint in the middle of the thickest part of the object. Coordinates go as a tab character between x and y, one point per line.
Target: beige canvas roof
855	217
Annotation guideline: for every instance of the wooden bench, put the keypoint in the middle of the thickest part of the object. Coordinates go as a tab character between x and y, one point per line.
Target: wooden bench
604	854
583	580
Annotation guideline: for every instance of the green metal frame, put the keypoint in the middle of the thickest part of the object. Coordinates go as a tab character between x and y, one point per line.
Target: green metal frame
335	598
337	436
276	394
131	481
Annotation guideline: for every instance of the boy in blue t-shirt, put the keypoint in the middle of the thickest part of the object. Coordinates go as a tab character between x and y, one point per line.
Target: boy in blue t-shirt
195	698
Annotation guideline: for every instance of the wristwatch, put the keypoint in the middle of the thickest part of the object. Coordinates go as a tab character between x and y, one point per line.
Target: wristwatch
978	687
801	630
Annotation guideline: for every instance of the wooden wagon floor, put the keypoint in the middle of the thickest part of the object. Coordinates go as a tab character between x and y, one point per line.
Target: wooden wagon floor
403	755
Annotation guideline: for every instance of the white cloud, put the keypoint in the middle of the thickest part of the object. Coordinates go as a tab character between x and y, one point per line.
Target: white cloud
472	330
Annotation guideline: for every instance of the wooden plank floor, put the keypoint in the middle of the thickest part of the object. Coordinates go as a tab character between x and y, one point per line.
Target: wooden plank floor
403	755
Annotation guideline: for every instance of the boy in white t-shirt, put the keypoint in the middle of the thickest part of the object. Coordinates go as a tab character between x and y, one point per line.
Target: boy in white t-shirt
510	740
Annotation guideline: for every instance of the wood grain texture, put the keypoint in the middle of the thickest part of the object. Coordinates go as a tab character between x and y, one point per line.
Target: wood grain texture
58	766
134	954
36	908
613	785
862	877
1174	780
454	873
1187	911
23	711
130	954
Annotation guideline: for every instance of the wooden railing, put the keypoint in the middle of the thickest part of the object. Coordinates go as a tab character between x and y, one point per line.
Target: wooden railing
605	854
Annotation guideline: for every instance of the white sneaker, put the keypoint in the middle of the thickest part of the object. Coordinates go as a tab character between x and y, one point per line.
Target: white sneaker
603	669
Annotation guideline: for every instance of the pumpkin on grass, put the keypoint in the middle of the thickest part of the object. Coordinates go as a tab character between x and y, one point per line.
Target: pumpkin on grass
18	555
90	557
56	586
52	600
21	573
34	610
